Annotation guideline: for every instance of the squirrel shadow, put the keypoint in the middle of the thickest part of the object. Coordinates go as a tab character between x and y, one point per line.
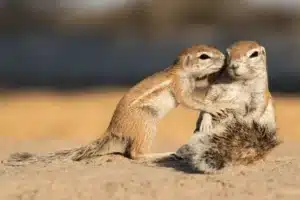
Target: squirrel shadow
176	163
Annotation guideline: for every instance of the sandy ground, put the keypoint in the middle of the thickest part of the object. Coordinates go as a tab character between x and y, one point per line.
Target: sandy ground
41	123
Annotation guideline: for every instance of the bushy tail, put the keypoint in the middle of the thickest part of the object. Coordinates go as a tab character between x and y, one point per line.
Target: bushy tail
238	144
22	158
241	144
105	145
102	146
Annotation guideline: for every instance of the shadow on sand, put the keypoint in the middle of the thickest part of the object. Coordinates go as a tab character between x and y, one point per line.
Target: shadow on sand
176	163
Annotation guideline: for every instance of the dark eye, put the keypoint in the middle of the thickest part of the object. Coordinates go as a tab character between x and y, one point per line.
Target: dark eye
204	57
254	54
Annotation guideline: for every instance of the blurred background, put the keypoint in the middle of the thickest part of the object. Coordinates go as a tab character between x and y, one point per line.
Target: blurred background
71	44
65	63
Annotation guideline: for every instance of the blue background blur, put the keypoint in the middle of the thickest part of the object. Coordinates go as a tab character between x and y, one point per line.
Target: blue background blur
73	44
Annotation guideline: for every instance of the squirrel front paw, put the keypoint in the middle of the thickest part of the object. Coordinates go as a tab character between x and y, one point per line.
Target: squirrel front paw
206	124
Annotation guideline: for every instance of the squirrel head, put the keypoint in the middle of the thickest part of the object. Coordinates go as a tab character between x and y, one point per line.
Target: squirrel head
200	60
246	60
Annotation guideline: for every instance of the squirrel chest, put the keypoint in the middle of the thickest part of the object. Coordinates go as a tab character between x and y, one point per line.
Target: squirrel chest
236	95
162	102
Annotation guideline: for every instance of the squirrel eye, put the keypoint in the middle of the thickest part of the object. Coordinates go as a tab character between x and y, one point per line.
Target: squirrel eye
254	54
204	56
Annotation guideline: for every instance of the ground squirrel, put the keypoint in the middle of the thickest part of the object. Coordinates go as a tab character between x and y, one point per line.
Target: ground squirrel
247	133
133	124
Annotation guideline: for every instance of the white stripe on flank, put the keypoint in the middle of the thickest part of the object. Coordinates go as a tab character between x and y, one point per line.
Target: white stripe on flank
147	92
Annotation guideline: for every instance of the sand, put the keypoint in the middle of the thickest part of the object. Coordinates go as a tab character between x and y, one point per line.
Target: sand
41	123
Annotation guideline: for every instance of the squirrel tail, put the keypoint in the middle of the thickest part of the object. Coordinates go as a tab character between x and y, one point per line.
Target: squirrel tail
107	144
244	144
238	144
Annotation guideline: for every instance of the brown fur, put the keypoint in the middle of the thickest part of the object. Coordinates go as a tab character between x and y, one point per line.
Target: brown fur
239	49
133	124
247	133
238	144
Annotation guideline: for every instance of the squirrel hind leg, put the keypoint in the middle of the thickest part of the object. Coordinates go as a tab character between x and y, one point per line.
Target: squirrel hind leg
140	145
137	149
134	151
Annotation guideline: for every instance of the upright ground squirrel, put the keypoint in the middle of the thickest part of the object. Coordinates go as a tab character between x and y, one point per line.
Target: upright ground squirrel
247	133
134	122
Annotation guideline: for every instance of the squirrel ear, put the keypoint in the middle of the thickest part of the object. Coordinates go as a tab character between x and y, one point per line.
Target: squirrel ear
227	56
263	50
228	51
187	61
176	61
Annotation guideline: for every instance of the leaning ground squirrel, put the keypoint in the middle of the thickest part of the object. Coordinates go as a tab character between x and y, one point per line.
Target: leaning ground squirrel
247	133
134	122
